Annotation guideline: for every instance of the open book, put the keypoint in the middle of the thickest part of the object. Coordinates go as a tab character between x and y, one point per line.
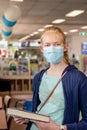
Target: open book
26	114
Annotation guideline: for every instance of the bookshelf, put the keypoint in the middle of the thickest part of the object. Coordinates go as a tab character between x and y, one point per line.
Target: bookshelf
21	79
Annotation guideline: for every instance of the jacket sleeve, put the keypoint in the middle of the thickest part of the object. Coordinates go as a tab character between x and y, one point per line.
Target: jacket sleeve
82	104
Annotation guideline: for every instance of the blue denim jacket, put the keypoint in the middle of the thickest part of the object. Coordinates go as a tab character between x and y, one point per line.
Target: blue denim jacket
75	94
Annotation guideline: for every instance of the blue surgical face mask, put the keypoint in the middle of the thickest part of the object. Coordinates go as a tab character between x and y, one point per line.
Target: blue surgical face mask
53	55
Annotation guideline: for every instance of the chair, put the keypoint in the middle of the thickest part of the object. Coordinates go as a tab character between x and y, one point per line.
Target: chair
20	101
3	121
0	102
7	101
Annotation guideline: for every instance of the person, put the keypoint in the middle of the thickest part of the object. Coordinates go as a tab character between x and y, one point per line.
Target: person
16	55
69	97
74	61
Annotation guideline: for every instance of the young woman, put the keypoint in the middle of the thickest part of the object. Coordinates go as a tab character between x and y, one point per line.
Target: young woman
70	95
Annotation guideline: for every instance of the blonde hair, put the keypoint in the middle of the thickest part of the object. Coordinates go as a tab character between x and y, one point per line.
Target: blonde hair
58	31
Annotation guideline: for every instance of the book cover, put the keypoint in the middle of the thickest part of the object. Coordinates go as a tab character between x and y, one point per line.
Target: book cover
26	114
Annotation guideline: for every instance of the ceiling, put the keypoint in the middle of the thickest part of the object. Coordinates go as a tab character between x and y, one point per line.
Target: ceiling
38	13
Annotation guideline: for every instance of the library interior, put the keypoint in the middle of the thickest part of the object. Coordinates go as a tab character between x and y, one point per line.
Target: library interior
22	23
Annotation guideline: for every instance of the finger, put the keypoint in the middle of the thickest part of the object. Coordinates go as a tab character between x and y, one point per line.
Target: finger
20	121
34	121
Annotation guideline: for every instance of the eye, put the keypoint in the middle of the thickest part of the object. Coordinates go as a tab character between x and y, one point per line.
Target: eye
46	44
57	44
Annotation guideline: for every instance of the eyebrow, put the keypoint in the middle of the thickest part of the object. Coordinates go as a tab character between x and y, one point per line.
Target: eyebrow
52	42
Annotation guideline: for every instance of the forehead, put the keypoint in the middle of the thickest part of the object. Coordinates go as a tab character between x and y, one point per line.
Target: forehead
51	36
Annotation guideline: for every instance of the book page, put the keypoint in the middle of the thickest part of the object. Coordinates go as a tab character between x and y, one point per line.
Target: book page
27	114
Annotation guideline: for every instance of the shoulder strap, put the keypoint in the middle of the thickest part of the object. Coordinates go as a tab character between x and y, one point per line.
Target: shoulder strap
51	92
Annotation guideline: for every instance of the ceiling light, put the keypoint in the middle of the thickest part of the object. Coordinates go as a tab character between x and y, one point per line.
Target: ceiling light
17	0
58	21
32	34
75	13
84	27
35	33
65	33
49	25
73	30
24	38
41	29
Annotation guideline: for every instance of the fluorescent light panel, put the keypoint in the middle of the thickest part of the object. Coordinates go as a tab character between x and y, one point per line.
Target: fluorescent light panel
75	13
84	27
49	25
41	29
58	21
24	38
35	33
73	30
17	0
65	33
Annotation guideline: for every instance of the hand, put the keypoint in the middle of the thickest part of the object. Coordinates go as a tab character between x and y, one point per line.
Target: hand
46	125
20	120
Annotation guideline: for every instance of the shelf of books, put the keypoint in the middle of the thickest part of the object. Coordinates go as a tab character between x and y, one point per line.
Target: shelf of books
20	63
20	72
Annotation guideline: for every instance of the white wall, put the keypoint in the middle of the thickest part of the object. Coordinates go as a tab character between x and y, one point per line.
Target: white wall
75	44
